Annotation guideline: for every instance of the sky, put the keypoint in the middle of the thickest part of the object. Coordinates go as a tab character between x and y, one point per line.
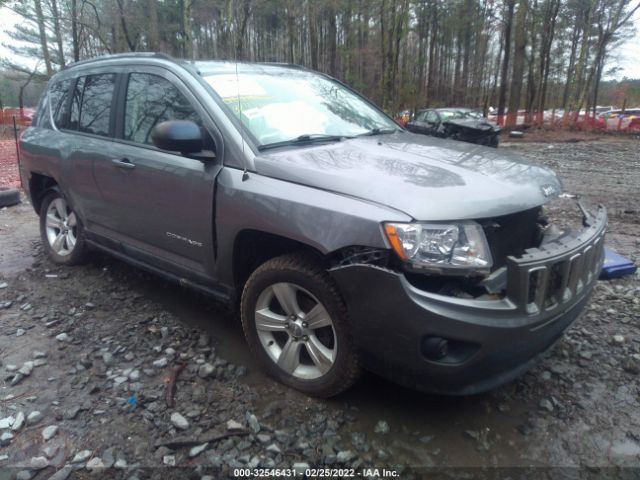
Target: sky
626	57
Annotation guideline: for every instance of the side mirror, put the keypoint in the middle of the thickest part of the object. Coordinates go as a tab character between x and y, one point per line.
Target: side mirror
181	136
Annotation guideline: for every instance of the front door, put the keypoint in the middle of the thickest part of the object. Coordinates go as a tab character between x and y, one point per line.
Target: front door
158	204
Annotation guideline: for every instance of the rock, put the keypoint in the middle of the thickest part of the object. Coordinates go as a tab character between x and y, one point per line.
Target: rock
49	432
20	332
63	337
26	368
5	439
345	456
233	425
10	367
18	422
632	364
206	370
62	474
169	460
6	422
381	427
95	464
107	458
161	362
81	456
17	378
253	423
426	439
121	463
38	463
107	358
50	451
273	448
546	404
197	450
134	376
71	413
619	339
25	475
179	421
263	438
37	354
203	340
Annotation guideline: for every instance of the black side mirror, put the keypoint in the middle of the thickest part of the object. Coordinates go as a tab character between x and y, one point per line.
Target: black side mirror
181	136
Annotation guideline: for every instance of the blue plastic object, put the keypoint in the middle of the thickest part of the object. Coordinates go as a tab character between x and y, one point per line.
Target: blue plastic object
616	266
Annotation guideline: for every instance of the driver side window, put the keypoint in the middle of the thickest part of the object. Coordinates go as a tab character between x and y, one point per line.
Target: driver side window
432	117
152	99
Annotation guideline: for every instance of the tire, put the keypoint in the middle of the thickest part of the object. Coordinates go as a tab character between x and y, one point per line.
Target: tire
58	222
319	360
9	196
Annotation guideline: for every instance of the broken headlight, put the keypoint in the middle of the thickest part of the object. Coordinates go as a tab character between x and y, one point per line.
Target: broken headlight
437	246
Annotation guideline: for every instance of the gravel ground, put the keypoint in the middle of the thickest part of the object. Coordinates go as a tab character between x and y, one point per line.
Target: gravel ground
89	356
8	164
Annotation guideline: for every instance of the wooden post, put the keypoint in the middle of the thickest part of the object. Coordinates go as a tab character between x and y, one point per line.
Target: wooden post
15	136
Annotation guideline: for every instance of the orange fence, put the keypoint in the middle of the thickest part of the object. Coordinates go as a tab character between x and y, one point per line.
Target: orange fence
23	116
611	120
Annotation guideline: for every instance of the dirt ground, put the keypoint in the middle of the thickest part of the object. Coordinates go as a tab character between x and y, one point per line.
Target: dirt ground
88	355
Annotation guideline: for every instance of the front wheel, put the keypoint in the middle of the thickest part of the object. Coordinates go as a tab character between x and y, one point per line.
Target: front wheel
295	323
61	231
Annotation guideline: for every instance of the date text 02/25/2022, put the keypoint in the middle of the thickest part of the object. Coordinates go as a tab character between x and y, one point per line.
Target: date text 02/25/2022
315	473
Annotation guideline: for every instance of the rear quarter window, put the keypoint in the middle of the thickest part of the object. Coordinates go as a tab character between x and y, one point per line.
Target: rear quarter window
54	105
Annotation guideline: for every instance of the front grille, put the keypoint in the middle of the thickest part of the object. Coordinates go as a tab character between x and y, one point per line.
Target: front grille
550	276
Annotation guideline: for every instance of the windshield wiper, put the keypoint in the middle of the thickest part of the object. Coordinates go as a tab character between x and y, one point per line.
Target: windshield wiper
378	131
304	140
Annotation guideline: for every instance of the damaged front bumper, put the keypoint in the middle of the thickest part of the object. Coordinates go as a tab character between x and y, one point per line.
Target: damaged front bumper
490	340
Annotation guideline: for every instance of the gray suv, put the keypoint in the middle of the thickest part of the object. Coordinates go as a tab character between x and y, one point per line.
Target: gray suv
345	241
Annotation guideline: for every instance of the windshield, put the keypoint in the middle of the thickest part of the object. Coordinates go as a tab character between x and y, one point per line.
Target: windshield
278	104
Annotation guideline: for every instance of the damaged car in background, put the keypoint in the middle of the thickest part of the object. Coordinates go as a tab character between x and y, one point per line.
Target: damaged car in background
461	124
345	241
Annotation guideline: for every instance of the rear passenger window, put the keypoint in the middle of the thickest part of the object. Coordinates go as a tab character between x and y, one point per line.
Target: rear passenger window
151	100
95	111
91	104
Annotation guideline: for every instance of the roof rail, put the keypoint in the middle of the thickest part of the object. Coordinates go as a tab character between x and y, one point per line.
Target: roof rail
162	56
284	64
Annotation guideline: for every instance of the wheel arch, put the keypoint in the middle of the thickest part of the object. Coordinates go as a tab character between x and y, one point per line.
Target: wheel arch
39	186
254	247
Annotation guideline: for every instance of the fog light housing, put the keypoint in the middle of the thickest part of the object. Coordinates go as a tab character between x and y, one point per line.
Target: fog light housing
435	348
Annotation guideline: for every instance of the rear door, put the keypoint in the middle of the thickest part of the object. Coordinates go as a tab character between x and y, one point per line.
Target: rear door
159	204
87	128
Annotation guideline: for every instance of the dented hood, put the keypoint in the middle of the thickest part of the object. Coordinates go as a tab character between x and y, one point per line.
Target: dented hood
424	177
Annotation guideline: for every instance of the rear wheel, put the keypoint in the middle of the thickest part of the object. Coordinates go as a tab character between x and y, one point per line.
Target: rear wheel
295	323
61	231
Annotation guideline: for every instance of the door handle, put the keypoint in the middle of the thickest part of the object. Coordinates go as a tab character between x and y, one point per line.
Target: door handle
123	163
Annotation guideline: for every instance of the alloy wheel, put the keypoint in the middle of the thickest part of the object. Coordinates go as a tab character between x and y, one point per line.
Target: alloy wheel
296	331
61	227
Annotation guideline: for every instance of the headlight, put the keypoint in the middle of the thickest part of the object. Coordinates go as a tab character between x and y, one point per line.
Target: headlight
460	245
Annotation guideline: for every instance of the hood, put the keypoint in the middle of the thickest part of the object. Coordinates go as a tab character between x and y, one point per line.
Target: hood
474	123
425	177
